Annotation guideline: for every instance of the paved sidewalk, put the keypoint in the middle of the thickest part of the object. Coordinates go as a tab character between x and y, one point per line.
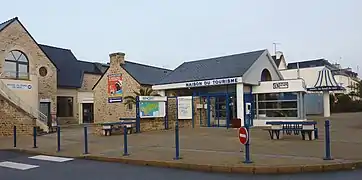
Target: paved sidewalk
212	146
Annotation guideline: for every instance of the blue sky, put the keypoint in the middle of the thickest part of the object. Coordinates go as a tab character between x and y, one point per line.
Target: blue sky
167	33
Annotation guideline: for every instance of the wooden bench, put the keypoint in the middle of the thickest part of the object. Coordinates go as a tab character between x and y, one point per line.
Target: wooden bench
110	127
293	128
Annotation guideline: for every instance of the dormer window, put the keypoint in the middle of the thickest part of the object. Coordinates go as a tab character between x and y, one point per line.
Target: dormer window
16	66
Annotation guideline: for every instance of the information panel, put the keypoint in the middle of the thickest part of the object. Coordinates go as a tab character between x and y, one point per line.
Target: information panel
184	107
152	106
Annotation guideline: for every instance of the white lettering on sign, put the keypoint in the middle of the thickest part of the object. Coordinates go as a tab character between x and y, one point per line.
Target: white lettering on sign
212	82
243	135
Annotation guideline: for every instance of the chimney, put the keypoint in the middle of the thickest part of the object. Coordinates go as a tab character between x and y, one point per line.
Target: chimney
116	59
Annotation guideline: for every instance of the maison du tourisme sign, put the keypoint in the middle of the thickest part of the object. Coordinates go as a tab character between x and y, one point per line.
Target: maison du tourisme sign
212	82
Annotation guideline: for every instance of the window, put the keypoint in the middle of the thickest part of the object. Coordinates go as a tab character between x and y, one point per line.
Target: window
278	105
16	65
129	106
65	106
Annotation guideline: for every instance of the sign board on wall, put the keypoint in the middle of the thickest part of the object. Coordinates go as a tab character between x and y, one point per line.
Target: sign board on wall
212	82
115	88
281	85
152	106
292	85
19	86
184	110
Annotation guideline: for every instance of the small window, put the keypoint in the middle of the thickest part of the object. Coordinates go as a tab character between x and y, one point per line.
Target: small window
129	106
43	71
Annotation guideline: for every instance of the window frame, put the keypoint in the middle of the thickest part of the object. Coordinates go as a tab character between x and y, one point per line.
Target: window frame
297	99
18	63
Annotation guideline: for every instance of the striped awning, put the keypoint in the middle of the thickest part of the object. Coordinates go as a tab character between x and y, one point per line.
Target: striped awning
326	82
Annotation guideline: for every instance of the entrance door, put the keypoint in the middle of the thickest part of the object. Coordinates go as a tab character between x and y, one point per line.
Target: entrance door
44	107
87	113
218	111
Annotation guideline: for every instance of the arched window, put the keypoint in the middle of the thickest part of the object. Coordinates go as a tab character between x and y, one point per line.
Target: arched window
16	65
265	75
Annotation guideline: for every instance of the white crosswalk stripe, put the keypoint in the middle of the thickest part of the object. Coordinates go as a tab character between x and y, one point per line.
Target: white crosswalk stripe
51	158
15	165
23	166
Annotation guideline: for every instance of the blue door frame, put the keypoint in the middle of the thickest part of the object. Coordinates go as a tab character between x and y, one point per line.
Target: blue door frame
208	96
249	119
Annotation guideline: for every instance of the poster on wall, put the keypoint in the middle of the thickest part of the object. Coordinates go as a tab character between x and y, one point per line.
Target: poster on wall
152	106
184	107
115	91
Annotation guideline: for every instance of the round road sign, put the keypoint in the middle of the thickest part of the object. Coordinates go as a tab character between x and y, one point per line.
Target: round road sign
243	135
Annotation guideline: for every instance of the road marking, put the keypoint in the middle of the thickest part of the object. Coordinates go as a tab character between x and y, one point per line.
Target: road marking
15	165
51	158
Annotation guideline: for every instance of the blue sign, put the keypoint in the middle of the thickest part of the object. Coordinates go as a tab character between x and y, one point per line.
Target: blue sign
212	82
19	86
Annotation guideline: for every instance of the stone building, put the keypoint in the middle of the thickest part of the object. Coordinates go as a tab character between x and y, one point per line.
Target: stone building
40	82
132	77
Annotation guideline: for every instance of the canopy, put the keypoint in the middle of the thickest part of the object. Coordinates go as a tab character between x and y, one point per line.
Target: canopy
326	82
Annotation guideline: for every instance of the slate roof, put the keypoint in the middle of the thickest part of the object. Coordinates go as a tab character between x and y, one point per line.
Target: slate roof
6	23
220	67
146	74
69	72
311	63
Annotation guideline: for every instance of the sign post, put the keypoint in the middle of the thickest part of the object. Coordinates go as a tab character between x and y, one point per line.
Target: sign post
244	139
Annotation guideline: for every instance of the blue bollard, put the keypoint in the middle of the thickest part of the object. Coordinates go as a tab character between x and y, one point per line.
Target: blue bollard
316	135
58	138
14	136
85	140
125	151
34	137
138	119
177	143
327	141
247	147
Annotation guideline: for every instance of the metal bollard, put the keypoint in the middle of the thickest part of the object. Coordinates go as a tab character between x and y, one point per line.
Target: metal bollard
58	138
327	141
85	140
14	136
247	147
177	142
34	137
125	148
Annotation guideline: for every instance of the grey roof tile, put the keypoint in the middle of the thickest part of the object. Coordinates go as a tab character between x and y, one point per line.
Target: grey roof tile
69	72
220	67
145	74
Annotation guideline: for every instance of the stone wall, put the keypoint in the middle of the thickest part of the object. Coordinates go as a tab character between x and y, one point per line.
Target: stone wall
89	80
15	37
10	115
111	112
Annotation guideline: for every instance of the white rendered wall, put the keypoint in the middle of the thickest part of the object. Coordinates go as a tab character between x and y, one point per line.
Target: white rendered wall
240	102
310	75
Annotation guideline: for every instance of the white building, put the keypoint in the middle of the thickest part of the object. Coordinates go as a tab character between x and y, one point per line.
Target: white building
309	70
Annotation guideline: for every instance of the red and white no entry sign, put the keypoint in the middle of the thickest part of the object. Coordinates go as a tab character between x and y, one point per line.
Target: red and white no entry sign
243	135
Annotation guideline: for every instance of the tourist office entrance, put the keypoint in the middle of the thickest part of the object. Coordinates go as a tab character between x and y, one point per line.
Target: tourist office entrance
230	98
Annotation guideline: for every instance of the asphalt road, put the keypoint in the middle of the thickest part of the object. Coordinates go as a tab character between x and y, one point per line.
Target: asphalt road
23	166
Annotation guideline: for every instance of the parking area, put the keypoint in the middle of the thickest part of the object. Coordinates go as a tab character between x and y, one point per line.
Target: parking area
212	145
